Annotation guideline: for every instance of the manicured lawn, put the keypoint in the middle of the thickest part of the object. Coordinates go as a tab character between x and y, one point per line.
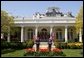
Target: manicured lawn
73	52
16	53
67	52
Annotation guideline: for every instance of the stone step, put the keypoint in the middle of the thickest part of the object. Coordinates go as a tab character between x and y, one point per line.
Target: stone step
45	43
41	46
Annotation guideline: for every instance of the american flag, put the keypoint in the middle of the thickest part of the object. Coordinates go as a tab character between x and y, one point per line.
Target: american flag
52	35
34	37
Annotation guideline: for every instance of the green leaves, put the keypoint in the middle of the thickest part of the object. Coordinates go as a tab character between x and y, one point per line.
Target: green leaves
6	21
79	20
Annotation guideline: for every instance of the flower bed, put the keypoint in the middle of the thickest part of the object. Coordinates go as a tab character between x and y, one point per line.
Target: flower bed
29	52
58	52
44	52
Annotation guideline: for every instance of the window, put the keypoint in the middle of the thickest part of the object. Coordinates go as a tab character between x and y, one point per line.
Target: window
70	34
59	34
30	34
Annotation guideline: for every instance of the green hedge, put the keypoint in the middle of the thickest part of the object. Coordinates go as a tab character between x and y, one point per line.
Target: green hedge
17	45
75	45
69	45
12	45
4	45
29	43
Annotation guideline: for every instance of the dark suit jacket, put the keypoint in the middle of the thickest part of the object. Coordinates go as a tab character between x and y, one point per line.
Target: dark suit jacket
37	41
50	41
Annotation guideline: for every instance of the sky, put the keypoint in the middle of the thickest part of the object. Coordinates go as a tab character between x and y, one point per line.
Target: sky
28	8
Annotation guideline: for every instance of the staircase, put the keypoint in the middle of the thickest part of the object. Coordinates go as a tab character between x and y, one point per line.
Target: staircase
43	45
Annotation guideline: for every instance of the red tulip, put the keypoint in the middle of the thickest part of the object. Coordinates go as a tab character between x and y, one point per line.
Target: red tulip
43	50
29	50
57	50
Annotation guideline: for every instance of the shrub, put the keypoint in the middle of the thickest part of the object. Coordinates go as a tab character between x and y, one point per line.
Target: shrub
71	41
4	45
29	43
60	45
63	45
16	45
24	45
56	43
12	45
15	40
75	45
43	53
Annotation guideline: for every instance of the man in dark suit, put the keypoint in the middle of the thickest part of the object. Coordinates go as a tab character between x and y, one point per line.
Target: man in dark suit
37	44
50	43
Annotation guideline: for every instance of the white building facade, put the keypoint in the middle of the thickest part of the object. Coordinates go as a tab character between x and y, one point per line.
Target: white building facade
43	25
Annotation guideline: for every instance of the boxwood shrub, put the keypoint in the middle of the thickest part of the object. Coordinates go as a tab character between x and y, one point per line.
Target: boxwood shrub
17	45
29	43
75	45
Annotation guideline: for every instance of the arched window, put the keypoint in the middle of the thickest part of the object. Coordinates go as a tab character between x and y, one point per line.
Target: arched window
70	34
43	35
44	31
58	34
30	33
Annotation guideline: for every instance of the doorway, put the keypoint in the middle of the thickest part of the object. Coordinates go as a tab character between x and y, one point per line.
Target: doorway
43	35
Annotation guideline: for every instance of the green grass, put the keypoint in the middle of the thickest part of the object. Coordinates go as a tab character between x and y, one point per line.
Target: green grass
67	52
16	53
73	52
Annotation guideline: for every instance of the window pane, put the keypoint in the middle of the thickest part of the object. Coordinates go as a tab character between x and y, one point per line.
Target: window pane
60	35
30	34
56	35
71	35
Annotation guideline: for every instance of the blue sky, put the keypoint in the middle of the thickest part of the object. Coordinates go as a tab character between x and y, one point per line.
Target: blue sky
28	8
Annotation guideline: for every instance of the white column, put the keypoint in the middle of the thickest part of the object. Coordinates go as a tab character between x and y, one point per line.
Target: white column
36	32
8	38
65	33
51	29
22	34
80	36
